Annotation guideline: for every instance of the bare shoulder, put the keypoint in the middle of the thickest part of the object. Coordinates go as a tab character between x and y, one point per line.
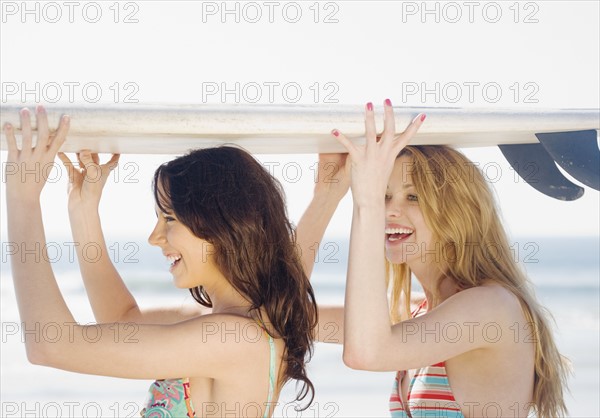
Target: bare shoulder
242	343
489	300
490	290
165	315
237	331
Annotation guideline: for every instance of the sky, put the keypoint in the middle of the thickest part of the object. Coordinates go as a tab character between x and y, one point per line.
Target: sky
542	54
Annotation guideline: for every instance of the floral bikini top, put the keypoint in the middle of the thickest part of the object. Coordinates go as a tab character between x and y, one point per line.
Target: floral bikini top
171	397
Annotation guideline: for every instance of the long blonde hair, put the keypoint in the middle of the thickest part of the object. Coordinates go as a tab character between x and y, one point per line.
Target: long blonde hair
458	206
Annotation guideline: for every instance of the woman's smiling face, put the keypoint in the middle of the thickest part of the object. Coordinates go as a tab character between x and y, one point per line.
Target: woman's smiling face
408	239
191	258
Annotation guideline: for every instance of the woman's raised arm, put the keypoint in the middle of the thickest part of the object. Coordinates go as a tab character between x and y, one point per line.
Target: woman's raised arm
117	349
366	316
333	182
109	297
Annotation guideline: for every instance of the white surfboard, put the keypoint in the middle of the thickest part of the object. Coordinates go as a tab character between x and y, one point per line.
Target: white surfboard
527	138
288	129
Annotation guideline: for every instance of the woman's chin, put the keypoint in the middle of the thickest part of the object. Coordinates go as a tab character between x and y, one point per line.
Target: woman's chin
395	257
182	283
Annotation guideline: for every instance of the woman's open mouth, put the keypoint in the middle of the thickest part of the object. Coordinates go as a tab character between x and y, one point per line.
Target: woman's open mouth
174	260
397	235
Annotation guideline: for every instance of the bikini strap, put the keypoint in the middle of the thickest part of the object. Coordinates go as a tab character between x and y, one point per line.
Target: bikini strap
418	310
272	375
272	371
187	396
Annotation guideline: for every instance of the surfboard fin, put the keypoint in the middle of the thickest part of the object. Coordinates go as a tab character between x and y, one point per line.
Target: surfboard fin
576	152
535	165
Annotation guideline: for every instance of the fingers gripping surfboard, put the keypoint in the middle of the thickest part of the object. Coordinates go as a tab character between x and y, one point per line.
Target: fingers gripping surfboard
291	129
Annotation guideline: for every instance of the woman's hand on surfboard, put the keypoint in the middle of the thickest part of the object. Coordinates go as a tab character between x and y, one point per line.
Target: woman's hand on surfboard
333	176
88	179
28	168
372	163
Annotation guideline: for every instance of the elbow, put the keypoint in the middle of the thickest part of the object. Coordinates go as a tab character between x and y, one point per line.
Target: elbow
49	350
37	353
359	359
44	352
351	360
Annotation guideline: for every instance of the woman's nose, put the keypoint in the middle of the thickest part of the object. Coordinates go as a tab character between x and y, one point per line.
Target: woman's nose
393	208
156	236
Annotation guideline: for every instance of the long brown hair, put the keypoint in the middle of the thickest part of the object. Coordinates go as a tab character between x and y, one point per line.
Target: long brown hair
458	206
226	197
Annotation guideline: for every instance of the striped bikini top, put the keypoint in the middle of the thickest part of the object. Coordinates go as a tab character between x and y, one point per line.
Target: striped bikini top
171	397
429	392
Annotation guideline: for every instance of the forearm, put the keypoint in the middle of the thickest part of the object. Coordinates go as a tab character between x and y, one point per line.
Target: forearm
312	226
367	323
331	324
109	297
38	295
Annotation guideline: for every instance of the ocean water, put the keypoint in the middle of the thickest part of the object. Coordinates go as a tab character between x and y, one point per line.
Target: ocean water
565	272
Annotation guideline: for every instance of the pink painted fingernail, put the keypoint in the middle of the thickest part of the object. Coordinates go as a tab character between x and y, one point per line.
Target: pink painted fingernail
370	106
335	132
423	116
40	109
388	102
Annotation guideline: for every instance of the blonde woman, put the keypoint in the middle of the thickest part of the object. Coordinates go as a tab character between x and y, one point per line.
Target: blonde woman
479	343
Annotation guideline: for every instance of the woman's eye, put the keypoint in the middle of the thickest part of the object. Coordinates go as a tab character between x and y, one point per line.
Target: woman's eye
388	197
168	218
413	198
